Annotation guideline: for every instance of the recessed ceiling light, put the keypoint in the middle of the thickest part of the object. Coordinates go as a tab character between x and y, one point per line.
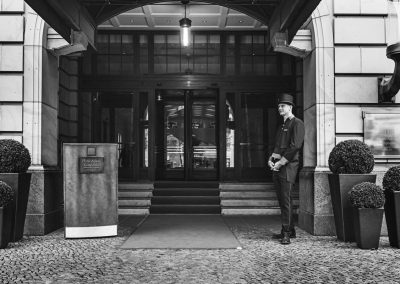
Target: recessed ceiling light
241	21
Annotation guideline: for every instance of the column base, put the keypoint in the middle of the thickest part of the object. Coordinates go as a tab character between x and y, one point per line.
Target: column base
45	212
317	225
315	211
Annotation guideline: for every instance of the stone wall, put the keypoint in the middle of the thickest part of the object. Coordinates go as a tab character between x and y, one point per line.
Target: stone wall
11	68
349	55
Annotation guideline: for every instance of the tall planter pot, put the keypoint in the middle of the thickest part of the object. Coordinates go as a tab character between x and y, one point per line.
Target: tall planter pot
5	226
367	226
340	185
392	215
20	183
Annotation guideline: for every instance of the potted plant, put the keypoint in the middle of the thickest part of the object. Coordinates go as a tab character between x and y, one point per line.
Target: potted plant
6	197
367	200
14	162
351	162
391	186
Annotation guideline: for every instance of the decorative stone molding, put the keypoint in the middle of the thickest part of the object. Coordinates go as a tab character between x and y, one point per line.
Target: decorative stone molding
59	46
299	47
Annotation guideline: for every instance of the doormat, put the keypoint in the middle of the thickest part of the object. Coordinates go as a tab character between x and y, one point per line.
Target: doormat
182	232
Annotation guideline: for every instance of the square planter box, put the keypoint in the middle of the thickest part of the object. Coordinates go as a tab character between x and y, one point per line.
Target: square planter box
392	215
367	227
5	226
20	183
340	185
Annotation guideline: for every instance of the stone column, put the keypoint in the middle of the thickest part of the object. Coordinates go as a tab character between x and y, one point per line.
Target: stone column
40	128
315	212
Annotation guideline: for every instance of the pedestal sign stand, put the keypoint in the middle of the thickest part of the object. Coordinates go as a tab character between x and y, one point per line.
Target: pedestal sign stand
90	190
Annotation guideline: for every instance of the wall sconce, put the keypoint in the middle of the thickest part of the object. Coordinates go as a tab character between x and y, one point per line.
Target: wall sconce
389	87
185	25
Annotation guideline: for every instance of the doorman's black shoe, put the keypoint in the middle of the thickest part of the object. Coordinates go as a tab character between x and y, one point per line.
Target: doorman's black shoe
286	238
280	235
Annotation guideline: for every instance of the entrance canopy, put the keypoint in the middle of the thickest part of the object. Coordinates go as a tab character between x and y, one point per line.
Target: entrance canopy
81	17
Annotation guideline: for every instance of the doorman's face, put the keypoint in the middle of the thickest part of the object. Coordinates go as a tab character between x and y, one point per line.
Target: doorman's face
284	109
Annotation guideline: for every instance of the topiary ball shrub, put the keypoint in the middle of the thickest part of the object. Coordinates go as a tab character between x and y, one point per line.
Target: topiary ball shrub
351	157
367	195
6	194
14	157
391	179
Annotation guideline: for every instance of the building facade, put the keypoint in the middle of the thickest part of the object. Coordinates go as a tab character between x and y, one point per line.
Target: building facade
207	112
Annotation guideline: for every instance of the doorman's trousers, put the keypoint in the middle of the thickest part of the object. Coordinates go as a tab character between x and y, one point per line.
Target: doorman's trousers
284	191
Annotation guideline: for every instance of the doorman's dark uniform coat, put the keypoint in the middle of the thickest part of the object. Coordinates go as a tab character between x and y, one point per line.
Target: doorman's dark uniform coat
289	139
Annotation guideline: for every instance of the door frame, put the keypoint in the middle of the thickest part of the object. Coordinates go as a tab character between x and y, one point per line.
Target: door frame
187	172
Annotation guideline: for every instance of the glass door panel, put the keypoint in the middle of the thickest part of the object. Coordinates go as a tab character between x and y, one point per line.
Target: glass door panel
203	138
174	131
258	117
170	135
115	124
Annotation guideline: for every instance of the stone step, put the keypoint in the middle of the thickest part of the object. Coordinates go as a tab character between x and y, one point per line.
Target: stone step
186	184
239	203
185	209
247	194
133	211
186	192
172	200
246	186
134	202
135	194
253	211
133	185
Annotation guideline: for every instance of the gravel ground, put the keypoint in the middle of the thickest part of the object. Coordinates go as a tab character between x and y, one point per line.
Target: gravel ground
309	259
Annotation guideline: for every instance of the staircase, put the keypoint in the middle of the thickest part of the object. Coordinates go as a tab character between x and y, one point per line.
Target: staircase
134	198
252	198
185	197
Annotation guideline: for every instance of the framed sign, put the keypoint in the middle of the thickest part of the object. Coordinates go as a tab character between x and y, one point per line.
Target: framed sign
382	134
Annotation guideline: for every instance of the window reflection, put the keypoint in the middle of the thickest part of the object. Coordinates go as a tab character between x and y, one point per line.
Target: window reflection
230	133
203	135
174	135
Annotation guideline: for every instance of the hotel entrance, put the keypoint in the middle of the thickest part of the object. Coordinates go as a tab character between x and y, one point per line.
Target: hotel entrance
186	135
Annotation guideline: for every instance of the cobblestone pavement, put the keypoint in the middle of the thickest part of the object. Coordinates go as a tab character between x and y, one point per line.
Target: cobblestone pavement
309	259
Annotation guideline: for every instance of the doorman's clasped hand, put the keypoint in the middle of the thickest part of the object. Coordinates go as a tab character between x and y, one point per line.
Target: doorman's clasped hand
277	166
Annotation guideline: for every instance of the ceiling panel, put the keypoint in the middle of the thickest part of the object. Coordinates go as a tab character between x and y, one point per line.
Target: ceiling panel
127	20
167	16
206	22
166	21
239	21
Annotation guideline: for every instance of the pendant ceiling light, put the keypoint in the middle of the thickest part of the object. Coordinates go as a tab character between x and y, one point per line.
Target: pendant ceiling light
185	25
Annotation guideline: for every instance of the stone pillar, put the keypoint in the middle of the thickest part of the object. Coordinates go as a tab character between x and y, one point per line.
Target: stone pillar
315	211
40	128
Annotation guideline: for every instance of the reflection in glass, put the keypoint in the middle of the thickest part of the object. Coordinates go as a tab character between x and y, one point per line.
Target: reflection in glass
174	114
230	137
252	140
123	129
203	135
382	133
115	126
145	138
